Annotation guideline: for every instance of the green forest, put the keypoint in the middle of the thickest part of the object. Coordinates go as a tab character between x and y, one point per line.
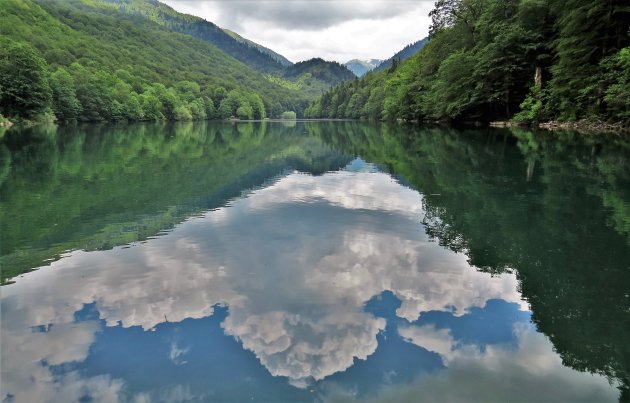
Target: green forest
526	60
106	60
130	60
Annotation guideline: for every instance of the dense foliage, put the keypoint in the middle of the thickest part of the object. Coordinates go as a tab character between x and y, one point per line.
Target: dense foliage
331	72
81	61
531	60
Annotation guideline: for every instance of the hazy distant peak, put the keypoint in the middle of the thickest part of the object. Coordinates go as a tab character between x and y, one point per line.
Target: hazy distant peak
361	67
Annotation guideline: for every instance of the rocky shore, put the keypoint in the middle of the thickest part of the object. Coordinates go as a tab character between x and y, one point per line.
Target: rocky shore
587	126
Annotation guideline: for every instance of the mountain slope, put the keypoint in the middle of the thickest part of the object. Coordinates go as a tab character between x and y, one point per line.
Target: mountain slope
276	56
314	76
248	52
403	54
531	62
123	66
309	78
361	67
330	72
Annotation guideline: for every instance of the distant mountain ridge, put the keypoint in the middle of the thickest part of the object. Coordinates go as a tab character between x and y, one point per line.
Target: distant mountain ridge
244	50
311	76
361	67
137	60
97	63
403	54
329	72
278	57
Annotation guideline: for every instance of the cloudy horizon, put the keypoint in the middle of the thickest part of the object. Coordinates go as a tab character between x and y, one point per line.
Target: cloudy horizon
333	30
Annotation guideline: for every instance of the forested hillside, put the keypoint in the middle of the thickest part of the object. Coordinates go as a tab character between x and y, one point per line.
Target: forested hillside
531	60
276	56
312	77
404	54
247	52
330	72
81	61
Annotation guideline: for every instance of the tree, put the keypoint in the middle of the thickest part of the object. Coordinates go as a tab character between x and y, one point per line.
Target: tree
453	93
588	31
92	93
23	80
65	103
151	105
618	93
257	105
443	16
211	112
245	112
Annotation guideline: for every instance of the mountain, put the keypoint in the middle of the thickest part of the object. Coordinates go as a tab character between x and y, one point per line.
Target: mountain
330	72
87	60
244	50
405	53
361	67
314	76
565	60
276	56
277	68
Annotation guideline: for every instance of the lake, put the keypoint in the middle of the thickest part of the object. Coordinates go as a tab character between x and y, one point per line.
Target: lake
313	261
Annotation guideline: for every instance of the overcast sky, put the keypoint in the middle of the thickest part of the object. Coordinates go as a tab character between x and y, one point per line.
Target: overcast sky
331	29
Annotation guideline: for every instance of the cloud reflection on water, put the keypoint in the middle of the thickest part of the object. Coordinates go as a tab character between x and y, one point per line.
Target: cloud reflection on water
295	263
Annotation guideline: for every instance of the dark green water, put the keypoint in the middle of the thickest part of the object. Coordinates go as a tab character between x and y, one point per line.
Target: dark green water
317	261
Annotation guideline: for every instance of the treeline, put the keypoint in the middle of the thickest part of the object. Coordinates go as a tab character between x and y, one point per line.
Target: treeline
531	60
29	90
68	61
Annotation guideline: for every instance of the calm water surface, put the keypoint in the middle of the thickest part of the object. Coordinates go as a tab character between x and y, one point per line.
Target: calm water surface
313	262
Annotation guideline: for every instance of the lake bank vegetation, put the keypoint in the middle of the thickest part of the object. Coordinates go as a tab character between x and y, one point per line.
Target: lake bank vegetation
524	60
106	61
562	63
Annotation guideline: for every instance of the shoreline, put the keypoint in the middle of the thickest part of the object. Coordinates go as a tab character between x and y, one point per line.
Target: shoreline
580	126
586	127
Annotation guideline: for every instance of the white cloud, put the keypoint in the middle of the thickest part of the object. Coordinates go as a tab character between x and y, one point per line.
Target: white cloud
348	190
428	337
304	347
333	30
530	370
176	354
28	355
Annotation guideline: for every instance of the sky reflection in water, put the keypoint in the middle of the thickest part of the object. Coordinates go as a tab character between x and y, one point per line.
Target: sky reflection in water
314	287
